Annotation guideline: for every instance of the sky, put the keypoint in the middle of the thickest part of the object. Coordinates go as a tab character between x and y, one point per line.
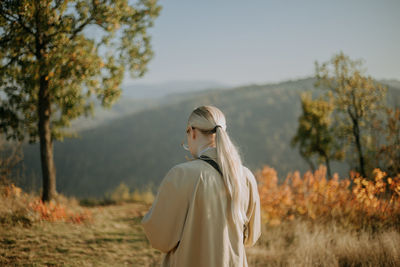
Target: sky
261	41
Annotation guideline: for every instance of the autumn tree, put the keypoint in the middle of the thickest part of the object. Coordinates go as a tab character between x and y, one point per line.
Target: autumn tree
358	101
314	135
389	151
57	56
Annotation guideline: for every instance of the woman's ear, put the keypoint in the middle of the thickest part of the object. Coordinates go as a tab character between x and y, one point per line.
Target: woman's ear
193	133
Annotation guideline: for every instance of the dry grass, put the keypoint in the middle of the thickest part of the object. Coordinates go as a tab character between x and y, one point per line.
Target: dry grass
303	243
114	238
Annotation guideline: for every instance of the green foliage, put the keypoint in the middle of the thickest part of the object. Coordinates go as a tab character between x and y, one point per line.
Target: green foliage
389	152
11	157
358	102
46	42
314	132
51	69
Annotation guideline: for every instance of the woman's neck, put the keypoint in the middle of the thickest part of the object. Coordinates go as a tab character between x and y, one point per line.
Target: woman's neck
204	148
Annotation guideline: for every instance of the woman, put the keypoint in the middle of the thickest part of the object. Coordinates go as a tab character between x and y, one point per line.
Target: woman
206	210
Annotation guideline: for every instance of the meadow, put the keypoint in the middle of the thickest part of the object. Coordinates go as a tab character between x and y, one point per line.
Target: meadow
308	220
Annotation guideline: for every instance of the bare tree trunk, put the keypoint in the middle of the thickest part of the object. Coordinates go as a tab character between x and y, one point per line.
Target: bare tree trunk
44	113
46	143
357	136
309	161
328	167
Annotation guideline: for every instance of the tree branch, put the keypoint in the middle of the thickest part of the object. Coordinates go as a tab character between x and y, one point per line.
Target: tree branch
80	28
7	16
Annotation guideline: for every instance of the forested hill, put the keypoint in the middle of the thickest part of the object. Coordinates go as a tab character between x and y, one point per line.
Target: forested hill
140	148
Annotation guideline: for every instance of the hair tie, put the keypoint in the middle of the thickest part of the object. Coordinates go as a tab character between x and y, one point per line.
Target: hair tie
215	128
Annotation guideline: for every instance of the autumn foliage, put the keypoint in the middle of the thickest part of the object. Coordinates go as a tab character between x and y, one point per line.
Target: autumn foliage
355	201
20	206
58	212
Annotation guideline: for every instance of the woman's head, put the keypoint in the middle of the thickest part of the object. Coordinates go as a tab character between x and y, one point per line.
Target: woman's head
207	127
202	127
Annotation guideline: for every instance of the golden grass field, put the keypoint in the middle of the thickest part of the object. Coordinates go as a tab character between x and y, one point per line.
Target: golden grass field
114	237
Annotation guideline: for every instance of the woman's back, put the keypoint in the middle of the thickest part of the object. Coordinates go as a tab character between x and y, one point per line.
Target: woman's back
191	222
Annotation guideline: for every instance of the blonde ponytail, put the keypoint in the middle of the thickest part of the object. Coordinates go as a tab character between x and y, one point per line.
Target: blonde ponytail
210	119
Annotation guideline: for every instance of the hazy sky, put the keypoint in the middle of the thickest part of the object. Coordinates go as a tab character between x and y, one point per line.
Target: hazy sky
260	41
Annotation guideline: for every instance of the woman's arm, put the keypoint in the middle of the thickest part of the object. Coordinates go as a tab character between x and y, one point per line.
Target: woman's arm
163	223
253	227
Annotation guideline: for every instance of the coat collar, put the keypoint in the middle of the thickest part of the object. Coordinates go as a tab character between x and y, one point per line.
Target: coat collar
212	153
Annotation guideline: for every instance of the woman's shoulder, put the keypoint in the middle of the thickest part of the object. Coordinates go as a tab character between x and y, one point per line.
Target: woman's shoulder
191	165
184	170
198	166
194	168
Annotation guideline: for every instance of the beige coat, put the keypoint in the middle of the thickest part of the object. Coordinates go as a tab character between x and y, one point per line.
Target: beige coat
189	221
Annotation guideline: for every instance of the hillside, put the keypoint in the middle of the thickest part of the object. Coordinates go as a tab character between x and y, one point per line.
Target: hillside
140	148
139	97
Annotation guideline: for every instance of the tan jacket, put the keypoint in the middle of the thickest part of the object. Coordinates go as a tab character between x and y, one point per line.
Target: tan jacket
189	221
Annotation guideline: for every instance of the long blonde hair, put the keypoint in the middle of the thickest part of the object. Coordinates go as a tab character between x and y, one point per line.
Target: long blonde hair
210	120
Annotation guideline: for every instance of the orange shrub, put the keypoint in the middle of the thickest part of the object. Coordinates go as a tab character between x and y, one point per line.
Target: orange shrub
53	211
354	201
31	208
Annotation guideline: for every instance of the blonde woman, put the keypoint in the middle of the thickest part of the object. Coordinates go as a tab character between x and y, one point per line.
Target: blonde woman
207	210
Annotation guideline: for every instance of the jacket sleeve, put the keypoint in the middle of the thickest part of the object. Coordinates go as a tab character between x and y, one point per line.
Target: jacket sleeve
253	227
163	223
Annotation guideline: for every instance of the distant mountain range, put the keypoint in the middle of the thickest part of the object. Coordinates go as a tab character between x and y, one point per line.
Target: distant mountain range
137	97
391	83
159	90
141	141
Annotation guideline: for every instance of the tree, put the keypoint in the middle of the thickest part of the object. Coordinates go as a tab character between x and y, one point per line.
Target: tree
358	101
389	152
51	69
314	133
10	158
